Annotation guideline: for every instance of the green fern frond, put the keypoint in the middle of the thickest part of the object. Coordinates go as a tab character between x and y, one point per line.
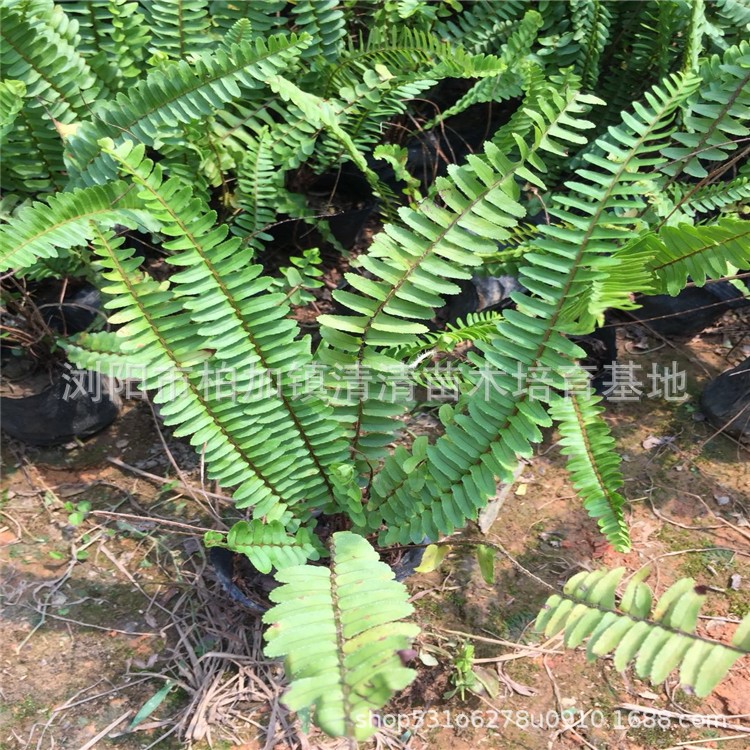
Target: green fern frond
239	32
592	24
402	53
264	15
196	155
179	28
505	85
302	275
260	184
478	326
57	77
496	421
506	259
472	211
724	197
483	441
32	154
114	37
557	48
411	268
498	88
593	463
377	79
698	253
597	215
500	420
659	644
339	630
382	94
736	13
322	114
324	21
522	38
12	94
267	545
480	26
247	329
166	351
180	93
102	350
291	138
716	116
658	40
648	42
43	230
38	50
694	36
729	22
45	12
537	91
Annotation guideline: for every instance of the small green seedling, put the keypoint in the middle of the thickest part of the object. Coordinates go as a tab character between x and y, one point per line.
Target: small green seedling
77	512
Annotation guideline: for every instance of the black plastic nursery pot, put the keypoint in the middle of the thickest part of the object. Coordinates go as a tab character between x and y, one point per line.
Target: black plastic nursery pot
343	199
76	404
235	580
691	311
726	402
77	312
250	588
67	403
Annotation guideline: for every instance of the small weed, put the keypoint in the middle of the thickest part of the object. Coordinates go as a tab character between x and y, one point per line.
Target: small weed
77	512
26	708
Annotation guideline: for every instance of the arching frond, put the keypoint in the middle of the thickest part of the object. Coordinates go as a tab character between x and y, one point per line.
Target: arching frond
268	546
479	326
611	182
340	631
659	642
593	464
181	93
166	351
724	197
699	253
248	332
500	419
716	116
43	230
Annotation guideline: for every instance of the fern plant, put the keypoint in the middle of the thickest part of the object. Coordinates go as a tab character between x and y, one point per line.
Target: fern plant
196	127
